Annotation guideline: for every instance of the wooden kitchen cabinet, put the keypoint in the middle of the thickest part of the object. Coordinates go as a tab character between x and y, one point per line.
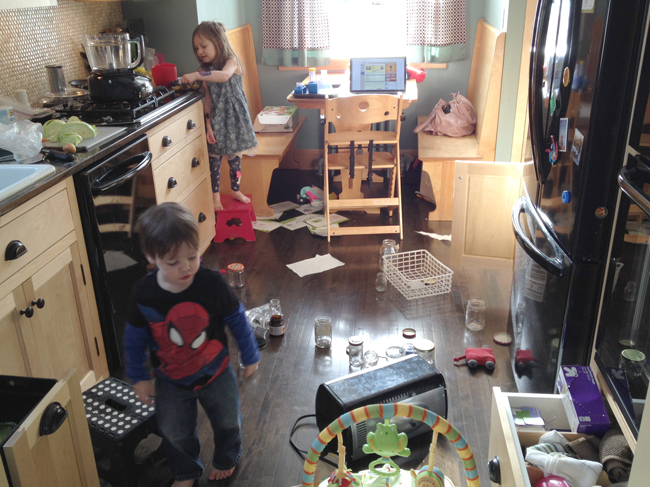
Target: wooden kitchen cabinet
48	316
62	459
182	169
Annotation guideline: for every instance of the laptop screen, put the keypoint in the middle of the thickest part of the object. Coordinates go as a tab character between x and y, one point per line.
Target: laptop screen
377	74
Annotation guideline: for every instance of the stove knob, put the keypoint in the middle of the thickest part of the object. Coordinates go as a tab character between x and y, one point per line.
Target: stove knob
166	141
195	162
172	183
191	125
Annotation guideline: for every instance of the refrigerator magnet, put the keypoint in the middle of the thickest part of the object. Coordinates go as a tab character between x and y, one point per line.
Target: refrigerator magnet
576	148
566	76
562	137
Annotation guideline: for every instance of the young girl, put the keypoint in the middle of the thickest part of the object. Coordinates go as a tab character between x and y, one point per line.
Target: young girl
228	123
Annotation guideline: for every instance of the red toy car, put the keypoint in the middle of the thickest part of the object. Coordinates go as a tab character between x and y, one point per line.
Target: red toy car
477	356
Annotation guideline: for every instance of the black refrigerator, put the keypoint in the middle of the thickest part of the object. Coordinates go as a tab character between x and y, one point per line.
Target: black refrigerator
584	57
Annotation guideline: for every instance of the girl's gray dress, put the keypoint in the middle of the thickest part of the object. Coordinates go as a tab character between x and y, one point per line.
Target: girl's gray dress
231	122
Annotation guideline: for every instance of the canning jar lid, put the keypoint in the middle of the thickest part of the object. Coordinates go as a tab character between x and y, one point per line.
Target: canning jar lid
355	341
408	333
633	355
236	267
424	345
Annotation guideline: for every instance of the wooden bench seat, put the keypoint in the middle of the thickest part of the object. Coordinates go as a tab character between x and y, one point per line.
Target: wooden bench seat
271	147
438	152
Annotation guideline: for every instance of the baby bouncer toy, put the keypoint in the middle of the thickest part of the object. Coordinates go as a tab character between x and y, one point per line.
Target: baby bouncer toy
387	442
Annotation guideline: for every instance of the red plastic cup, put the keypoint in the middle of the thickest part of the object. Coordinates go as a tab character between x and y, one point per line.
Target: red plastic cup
164	74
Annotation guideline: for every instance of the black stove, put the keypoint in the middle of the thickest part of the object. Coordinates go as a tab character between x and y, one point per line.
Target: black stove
115	113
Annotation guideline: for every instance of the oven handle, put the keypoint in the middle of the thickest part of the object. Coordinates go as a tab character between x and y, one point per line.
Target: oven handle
638	171
105	182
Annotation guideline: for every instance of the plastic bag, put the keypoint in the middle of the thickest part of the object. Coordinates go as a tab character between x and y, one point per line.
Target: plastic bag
456	118
24	139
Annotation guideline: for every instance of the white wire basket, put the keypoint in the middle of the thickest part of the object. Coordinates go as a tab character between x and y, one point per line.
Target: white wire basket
417	274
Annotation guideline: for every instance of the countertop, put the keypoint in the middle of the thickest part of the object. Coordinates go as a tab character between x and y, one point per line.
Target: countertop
85	159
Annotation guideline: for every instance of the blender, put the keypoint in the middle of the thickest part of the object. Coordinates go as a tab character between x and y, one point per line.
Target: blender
113	78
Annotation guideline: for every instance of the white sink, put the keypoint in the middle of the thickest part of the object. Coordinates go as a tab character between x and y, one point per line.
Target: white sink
16	177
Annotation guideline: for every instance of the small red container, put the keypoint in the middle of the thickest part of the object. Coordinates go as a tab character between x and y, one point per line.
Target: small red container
164	74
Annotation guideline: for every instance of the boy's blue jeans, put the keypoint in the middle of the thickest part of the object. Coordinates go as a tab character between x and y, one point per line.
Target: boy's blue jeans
176	414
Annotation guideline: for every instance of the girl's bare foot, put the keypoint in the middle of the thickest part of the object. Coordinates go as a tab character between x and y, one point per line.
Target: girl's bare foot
216	200
239	196
183	483
221	474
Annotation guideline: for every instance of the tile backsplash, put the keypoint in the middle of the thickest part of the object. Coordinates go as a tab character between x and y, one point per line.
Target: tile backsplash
31	38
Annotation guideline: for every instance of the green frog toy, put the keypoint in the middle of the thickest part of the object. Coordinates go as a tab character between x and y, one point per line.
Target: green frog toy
386	442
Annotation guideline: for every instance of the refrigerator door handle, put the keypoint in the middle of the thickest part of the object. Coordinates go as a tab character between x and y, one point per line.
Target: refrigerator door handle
553	265
636	172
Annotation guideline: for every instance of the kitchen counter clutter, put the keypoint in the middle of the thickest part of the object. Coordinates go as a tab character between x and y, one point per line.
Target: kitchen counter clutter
94	154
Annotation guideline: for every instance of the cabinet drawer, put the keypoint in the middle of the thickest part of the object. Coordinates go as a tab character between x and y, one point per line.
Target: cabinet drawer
181	170
37	229
200	203
506	442
176	133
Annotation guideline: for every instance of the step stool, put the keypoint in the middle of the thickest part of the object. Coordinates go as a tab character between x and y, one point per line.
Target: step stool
235	220
118	422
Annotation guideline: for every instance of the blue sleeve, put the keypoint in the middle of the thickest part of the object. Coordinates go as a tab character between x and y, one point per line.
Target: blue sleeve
243	333
136	341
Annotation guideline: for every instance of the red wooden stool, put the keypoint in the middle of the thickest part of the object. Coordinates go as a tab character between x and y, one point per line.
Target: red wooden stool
235	220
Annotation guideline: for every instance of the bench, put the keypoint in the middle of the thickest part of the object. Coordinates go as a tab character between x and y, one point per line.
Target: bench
271	147
438	152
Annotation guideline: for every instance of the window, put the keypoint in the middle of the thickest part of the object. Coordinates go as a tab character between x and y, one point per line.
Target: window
367	28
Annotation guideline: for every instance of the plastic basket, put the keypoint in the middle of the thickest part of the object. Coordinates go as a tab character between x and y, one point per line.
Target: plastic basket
417	274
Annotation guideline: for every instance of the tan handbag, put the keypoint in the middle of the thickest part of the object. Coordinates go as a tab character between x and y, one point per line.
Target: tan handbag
456	118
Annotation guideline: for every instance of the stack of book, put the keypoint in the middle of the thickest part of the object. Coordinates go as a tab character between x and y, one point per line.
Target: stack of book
276	119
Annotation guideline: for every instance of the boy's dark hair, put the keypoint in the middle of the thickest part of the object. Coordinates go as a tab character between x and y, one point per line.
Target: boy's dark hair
165	227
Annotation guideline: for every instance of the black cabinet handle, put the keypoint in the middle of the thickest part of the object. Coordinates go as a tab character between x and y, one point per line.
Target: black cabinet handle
29	312
191	125
195	162
166	141
172	183
202	217
14	249
39	303
494	470
52	419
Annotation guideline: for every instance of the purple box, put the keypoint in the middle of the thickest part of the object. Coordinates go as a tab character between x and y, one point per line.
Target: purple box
582	400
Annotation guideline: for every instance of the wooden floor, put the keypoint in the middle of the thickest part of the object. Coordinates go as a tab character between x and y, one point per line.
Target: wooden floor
291	368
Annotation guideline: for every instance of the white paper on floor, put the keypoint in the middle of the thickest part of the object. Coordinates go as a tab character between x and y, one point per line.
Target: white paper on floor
266	226
284	206
315	265
435	235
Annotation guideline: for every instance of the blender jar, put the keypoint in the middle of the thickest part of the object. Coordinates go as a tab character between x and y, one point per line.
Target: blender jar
112	52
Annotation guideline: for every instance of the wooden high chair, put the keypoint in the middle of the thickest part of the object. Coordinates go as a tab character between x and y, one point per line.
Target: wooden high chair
357	153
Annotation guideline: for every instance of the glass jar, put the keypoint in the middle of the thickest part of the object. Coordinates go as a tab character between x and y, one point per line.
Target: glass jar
236	275
388	247
475	315
381	283
323	331
312	75
277	326
274	308
355	351
425	348
632	361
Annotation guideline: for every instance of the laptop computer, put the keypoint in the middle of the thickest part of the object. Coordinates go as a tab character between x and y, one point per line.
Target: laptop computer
378	75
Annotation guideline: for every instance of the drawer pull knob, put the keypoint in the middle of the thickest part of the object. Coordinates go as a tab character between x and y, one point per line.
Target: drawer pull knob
52	419
172	183
166	141
14	249
202	217
29	312
195	162
191	125
494	470
39	303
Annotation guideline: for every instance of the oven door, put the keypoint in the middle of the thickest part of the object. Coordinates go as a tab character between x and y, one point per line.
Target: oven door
112	194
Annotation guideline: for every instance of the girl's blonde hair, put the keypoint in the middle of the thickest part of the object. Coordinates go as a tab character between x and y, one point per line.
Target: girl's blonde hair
215	32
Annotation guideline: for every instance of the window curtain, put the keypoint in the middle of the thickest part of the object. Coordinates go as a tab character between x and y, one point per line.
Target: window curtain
295	33
435	30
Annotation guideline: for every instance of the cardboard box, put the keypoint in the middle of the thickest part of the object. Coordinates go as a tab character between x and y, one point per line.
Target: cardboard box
276	119
582	401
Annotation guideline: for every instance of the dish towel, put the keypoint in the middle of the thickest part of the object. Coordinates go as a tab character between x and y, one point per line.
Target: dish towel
578	473
320	263
616	455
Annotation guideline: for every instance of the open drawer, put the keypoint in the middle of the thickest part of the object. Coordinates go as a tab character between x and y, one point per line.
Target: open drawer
506	442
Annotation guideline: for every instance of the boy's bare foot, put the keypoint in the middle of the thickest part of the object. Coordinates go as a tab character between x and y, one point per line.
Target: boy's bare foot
221	474
183	483
239	196
216	201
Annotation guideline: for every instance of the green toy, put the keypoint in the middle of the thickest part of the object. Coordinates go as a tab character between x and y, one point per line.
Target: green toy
386	442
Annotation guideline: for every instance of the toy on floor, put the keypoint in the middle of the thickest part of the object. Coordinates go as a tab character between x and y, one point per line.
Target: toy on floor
477	356
523	359
387	442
